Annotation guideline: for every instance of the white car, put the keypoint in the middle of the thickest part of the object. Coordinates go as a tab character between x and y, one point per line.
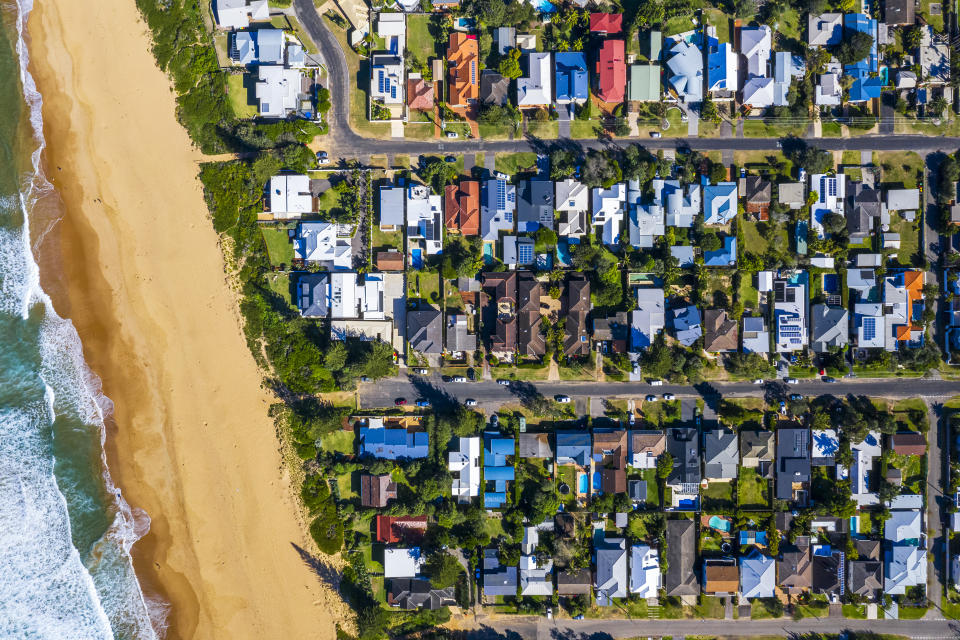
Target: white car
503	382
453	134
656	383
562	399
499	175
758	381
668	396
322	157
791	381
470	402
651	398
459	379
421	371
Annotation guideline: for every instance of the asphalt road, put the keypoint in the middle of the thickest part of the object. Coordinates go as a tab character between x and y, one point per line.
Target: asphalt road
515	627
490	395
345	144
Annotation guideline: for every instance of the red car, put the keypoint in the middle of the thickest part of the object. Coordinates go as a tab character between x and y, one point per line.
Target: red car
400	402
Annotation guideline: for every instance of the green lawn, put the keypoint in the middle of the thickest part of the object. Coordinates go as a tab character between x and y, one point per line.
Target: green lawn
748	292
279	247
755	128
679	24
242	99
789	24
279	283
653	489
387	239
935	21
912	613
856	612
495	132
717	495
544	130
909	238
338	441
900	168
752	490
708	607
812	610
419	41
345	482
423	285
328	201
513	163
830	129
759	609
721	21
584	129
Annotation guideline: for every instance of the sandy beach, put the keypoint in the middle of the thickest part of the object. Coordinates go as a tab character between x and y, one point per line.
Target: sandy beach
136	266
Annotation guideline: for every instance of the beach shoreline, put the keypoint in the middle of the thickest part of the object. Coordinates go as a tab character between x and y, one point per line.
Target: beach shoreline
135	264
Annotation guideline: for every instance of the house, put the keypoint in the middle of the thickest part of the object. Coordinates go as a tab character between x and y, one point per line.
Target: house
462	57
830	327
685	64
909	444
389	261
611	334
720	577
684	255
494	88
644	571
505	39
831	192
828	570
684	479
611	72
786	68
237	14
606	24
420	95
572	202
655	44
906	79
570	77
497	471
610	562
865	574
498	580
278	91
392	199
610	459
518	252
647	320
720	202
535	205
722	70
576	342
608	211
680	208
644	83
870	324
535	445
793	464
425	330
866	84
934	57
464	467
756	451
903	305
459	339
501	292
725	256
905	200
386	78
574	582
791	194
861	471
904	566
865	211
756	338
290	196
686	324
898	13
536	88
829	90
393	444
720	331
758	577
863	283
573	448
377	491
529	341
790	315
264	46
758	92
527	42
320	243
681	579
645	448
461	207
536	579
402	563
498	204
825	30
904	526
407	530
415	593
824	447
645	222
424	219
721	454
757	193
755	46
795	567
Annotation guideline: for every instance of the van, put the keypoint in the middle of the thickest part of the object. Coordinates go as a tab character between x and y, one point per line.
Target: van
656	383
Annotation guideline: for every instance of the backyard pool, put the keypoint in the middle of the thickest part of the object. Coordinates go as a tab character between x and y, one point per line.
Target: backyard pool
543	6
583	483
416	258
719	524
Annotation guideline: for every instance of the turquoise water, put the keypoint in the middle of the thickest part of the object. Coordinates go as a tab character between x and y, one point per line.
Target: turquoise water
65	534
719	524
584	483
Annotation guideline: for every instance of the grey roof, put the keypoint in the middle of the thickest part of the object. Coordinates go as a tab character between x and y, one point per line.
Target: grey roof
721	454
758	575
312	295
830	327
270	46
534	205
793	459
866	577
494	88
458	338
756	337
682	445
863	205
535	445
637	490
791	193
424	330
574	582
681	579
611	564
506	38
757	444
391	206
497	579
686	324
414	593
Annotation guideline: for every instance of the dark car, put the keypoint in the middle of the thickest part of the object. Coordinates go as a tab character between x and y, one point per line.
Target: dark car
400	402
450	159
796	396
829	379
423	403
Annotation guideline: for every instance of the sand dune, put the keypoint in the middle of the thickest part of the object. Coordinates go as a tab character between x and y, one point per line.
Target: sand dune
143	280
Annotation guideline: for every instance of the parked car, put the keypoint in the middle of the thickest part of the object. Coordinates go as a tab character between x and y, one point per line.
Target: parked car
499	175
651	398
494	420
796	396
423	403
757	381
400	402
668	396
470	402
459	379
450	159
322	157
503	382
364	379
791	381
562	399
549	613
656	383
829	379
420	371
655	134
453	134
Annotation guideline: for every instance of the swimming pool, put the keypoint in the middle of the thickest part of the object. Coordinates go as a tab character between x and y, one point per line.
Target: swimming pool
583	483
596	482
543	6
416	257
719	524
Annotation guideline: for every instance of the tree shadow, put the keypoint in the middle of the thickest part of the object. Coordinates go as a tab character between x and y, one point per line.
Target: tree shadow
329	575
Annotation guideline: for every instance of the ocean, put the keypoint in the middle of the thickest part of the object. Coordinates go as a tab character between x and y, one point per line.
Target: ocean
65	531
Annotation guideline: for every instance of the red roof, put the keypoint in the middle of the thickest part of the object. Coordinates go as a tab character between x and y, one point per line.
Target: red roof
393	529
611	72
462	207
608	23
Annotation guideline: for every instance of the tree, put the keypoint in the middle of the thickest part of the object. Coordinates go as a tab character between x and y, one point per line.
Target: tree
664	466
718	172
438	174
912	37
937	106
443	570
710	241
510	65
947	177
709	111
495	115
462	257
562	164
855	47
811	158
834	223
599	170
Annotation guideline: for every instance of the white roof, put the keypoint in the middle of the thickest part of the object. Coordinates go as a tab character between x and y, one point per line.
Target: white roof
402	563
903	199
831	193
720	203
825	443
236	14
290	194
537	88
386	78
644	571
905	566
572	195
686	69
648	319
320	242
791	320
646	222
680	209
758	92
829	91
535	579
871	325
391	24
464	463
764	281
825	29
277	90
903	525
758	575
755	46
608	205
348	300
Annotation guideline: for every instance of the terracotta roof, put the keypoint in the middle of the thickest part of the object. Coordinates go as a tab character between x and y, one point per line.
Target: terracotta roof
608	23
461	205
909	444
388	261
721	578
419	94
393	529
654	443
611	71
462	56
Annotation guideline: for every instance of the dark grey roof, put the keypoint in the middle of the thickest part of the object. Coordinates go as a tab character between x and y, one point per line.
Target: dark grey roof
681	579
535	205
497	579
424	330
830	327
827	572
720	454
494	88
414	593
614	327
312	295
793	460
682	445
863	204
574	582
866	577
637	490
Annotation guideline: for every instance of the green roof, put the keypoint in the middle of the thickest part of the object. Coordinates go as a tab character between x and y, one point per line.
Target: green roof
656	42
644	82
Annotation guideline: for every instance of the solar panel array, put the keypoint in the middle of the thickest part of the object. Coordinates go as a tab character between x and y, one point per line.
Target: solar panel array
525	253
869	329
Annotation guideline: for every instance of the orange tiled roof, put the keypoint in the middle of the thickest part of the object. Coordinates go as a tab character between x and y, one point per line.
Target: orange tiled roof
462	207
420	94
463	54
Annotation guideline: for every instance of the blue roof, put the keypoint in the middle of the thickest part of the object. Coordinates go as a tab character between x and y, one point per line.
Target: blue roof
571	75
270	46
573	446
724	256
494	500
497	450
864	86
498	473
393	443
717	64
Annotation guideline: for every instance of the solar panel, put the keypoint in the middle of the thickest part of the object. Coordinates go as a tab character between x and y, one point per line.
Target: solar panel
869	328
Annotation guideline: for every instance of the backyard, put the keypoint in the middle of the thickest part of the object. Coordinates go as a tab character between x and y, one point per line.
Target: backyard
241	96
718	495
279	246
900	168
752	490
